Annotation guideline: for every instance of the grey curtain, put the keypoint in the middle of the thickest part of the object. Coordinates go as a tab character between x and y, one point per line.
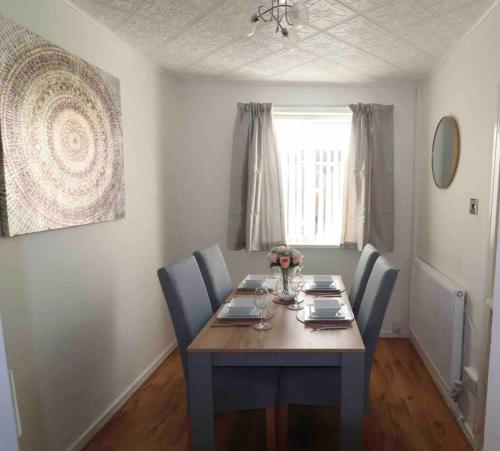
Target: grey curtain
369	191
256	218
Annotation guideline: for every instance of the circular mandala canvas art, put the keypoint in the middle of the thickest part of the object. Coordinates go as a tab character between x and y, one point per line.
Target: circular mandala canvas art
60	125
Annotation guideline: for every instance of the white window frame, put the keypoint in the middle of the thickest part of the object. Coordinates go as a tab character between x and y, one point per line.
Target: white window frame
313	112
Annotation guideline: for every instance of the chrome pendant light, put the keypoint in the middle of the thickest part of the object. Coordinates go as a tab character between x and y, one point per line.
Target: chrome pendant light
286	16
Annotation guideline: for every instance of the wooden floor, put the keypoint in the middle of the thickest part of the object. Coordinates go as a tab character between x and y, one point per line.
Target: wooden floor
405	412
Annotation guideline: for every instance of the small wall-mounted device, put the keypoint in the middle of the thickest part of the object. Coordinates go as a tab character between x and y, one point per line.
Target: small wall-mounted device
474	206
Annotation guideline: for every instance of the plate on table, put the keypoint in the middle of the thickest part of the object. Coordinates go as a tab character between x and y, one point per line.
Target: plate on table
240	306
319	314
322	285
226	313
320	278
256	277
326	307
253	282
310	314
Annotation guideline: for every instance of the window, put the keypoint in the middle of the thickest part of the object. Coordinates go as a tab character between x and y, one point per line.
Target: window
313	145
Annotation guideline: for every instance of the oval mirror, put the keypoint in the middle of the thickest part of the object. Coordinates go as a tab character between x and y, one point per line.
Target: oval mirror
445	152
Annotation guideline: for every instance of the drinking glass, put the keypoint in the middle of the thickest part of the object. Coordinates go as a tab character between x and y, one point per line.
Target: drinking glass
261	300
297	284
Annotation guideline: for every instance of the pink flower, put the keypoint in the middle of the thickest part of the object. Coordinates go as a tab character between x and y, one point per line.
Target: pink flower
284	262
297	259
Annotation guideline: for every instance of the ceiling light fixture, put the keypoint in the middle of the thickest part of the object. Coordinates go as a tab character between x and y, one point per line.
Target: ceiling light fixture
288	17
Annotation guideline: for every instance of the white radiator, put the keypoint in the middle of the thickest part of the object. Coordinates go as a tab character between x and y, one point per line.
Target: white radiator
437	323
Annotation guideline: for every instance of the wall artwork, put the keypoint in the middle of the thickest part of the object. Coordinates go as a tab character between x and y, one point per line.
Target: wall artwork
61	156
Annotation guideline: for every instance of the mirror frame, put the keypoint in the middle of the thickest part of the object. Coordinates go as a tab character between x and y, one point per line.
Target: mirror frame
456	152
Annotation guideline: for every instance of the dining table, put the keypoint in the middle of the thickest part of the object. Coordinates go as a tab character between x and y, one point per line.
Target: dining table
289	343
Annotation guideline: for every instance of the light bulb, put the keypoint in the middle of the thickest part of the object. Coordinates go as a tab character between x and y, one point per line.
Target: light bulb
291	39
246	25
298	15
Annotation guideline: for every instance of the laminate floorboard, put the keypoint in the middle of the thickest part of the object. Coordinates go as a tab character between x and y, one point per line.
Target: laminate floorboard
405	413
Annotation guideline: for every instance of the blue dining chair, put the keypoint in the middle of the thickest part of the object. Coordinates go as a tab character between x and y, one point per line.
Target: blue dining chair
362	274
215	274
234	388
321	386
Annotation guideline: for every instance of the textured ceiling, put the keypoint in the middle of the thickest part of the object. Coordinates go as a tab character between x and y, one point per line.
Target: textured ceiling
346	41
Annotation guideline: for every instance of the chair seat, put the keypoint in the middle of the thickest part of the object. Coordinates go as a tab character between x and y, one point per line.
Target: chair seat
244	388
313	386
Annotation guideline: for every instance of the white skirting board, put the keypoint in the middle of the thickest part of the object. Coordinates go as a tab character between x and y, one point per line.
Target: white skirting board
97	425
442	387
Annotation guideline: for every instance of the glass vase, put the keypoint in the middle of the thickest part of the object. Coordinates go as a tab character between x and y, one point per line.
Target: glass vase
286	292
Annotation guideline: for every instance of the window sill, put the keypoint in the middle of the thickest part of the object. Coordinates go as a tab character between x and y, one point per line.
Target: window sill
315	246
348	246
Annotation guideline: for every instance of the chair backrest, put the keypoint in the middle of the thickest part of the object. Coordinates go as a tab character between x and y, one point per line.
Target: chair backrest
371	314
187	301
215	274
363	270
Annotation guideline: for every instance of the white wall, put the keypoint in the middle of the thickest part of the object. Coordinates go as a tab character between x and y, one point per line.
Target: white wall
466	86
82	309
207	114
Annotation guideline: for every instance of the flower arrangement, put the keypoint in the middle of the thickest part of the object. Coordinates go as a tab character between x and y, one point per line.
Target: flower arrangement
286	259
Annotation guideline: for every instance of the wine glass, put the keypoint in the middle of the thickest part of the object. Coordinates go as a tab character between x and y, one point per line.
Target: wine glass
297	284
261	300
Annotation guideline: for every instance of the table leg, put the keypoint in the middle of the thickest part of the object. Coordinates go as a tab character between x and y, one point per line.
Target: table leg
352	401
201	401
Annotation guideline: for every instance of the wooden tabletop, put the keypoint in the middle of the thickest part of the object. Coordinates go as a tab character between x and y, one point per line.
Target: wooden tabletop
287	334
